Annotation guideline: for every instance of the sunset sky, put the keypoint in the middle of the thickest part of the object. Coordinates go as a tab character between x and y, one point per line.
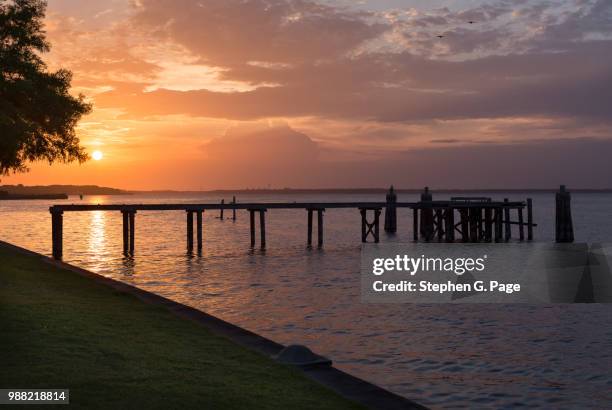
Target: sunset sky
279	93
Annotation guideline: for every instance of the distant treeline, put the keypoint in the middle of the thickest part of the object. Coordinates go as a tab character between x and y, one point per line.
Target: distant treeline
61	189
365	191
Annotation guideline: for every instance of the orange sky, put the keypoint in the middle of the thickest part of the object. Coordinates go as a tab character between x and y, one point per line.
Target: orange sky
234	94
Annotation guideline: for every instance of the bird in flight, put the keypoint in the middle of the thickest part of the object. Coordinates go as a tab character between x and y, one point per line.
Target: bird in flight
440	36
471	22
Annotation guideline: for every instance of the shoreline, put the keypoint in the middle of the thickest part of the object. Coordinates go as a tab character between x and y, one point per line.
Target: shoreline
357	191
343	384
32	197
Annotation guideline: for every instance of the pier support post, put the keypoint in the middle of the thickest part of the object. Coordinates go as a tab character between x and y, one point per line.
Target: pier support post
415	224
234	209
199	230
370	228
427	215
262	227
488	221
364	223
498	224
252	224
465	225
126	232
508	229
309	239
57	228
529	219
391	212
320	227
189	231
473	223
376	225
439	223
520	221
221	210
480	223
564	227
132	231
450	224
129	231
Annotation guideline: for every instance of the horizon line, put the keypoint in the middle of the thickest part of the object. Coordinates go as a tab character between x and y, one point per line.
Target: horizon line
297	190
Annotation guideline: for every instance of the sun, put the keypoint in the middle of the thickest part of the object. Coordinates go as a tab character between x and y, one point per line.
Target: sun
97	155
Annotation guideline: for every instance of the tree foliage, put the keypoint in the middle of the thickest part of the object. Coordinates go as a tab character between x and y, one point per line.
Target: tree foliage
37	113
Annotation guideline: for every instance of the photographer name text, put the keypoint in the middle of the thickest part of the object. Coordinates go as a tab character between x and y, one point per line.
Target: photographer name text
458	266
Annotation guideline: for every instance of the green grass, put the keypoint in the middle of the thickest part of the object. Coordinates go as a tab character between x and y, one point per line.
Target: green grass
61	330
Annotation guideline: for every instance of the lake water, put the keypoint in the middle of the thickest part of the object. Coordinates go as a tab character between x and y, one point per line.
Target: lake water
443	356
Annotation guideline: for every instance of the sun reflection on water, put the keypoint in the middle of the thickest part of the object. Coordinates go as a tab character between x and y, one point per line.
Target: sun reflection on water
96	239
96	199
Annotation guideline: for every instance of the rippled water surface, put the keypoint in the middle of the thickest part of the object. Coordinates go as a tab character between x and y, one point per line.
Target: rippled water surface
443	356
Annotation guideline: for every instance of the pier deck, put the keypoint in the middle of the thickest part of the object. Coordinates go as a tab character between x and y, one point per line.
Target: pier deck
276	205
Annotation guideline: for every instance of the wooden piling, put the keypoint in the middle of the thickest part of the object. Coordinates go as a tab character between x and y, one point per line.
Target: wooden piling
376	225
427	222
473	222
129	231
221	209
415	224
488	221
132	230
234	209
57	228
465	225
439	224
449	216
367	227
262	227
126	232
391	211
564	227
520	221
363	225
480	223
190	231
529	219
320	227
309	240
498	224
508	229
427	214
252	223
199	230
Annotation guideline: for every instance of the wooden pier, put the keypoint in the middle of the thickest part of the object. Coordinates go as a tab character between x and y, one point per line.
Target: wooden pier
471	220
467	219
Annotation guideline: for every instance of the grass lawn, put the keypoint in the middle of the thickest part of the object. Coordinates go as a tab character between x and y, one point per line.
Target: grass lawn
61	330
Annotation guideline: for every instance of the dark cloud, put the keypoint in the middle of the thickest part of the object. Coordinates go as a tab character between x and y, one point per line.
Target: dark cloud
446	141
579	162
247	156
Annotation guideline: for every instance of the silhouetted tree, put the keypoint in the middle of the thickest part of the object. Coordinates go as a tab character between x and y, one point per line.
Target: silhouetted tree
37	114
